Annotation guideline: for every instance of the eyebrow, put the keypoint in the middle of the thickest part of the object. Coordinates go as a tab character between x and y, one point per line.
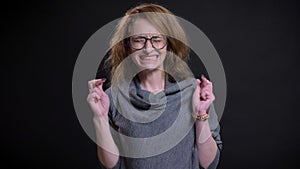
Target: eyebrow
140	36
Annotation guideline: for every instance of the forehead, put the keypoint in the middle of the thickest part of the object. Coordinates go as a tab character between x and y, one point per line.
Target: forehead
142	26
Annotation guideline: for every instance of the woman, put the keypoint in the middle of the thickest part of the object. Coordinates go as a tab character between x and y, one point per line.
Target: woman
151	89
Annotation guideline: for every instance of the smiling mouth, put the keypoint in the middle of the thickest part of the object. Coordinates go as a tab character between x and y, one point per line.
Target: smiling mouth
149	58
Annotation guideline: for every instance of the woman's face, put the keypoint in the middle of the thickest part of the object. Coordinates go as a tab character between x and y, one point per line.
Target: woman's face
148	46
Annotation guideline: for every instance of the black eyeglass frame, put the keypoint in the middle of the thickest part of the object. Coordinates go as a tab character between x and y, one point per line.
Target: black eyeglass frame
150	39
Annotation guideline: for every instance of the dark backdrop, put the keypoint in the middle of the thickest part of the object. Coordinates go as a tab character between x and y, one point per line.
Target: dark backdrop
258	42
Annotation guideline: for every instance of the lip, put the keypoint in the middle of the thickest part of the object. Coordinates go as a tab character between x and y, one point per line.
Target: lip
148	58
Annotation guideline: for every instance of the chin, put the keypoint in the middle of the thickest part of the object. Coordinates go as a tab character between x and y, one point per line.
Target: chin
149	67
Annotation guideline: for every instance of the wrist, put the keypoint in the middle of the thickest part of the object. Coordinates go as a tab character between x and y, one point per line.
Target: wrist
202	112
200	116
101	119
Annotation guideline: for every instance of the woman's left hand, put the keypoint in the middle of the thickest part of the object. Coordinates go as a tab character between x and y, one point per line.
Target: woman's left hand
203	96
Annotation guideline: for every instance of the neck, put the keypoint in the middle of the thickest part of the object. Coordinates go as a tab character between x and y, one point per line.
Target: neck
152	80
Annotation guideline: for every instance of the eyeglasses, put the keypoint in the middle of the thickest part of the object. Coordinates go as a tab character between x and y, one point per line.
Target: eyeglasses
139	42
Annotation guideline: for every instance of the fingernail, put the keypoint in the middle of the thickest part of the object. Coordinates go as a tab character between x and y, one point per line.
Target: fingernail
102	80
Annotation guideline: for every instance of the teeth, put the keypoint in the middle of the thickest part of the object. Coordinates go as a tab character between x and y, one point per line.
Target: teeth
149	57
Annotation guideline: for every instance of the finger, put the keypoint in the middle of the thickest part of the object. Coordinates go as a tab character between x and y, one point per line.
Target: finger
205	81
211	97
198	83
100	81
206	95
95	97
91	84
99	84
207	87
206	90
196	94
98	91
198	88
203	95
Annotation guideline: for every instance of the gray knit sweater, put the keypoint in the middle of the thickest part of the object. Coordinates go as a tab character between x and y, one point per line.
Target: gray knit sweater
178	152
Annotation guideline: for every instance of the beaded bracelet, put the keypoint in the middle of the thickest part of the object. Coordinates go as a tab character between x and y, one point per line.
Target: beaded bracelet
200	117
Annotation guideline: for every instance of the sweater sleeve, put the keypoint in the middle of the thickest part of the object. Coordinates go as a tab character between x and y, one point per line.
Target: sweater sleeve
120	164
111	116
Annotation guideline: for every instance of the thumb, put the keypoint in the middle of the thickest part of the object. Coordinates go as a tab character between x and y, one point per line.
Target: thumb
198	82
198	88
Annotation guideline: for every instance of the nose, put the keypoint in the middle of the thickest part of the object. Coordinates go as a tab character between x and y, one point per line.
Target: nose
148	47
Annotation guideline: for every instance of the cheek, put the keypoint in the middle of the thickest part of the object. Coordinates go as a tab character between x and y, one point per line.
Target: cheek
135	58
163	53
163	56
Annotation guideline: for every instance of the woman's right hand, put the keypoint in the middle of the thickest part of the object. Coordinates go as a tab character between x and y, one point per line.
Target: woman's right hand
97	98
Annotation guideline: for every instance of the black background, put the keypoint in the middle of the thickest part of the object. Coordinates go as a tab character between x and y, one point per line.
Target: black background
258	42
